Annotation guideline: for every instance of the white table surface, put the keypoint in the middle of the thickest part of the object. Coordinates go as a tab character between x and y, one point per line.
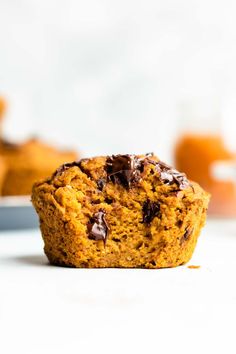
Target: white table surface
47	309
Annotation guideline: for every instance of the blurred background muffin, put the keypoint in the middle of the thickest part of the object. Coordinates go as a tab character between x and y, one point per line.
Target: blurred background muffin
21	164
29	162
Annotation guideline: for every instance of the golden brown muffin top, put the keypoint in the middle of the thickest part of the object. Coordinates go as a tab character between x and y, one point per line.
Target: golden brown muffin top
128	172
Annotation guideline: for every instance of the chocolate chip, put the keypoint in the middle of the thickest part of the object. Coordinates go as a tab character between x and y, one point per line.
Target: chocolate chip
149	236
116	239
180	179
83	169
187	234
127	171
68	165
169	176
179	223
124	169
101	183
108	200
65	167
150	210
97	227
139	245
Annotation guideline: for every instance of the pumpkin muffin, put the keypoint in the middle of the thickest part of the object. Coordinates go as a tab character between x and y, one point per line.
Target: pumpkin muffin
119	211
29	162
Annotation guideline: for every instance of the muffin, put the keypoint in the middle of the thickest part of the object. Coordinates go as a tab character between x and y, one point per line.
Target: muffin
119	211
29	162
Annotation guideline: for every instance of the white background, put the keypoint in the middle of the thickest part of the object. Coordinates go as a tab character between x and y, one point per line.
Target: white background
46	309
106	76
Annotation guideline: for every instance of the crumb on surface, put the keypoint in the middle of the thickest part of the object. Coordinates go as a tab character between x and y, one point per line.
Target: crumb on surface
194	266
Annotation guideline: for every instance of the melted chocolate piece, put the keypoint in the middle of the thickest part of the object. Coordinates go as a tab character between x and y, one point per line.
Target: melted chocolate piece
124	169
98	228
150	210
84	170
187	234
68	165
101	183
169	175
127	171
65	167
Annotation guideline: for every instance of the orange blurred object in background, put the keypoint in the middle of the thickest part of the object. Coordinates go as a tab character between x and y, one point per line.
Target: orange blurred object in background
2	107
195	154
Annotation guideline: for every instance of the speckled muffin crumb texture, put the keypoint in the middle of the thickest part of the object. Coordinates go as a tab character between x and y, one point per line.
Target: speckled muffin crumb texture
119	211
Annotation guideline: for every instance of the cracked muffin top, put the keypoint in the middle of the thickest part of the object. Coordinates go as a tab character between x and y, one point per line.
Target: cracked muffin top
119	211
